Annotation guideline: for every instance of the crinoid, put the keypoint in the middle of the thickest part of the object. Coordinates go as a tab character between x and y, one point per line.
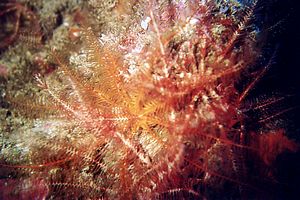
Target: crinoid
153	113
18	23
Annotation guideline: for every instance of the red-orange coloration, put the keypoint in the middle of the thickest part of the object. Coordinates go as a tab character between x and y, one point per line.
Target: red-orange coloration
156	115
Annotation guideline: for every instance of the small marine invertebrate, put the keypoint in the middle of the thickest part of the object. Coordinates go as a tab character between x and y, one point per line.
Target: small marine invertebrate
151	114
3	71
22	17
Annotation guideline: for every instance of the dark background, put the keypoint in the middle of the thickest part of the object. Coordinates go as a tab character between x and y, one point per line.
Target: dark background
288	70
283	79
